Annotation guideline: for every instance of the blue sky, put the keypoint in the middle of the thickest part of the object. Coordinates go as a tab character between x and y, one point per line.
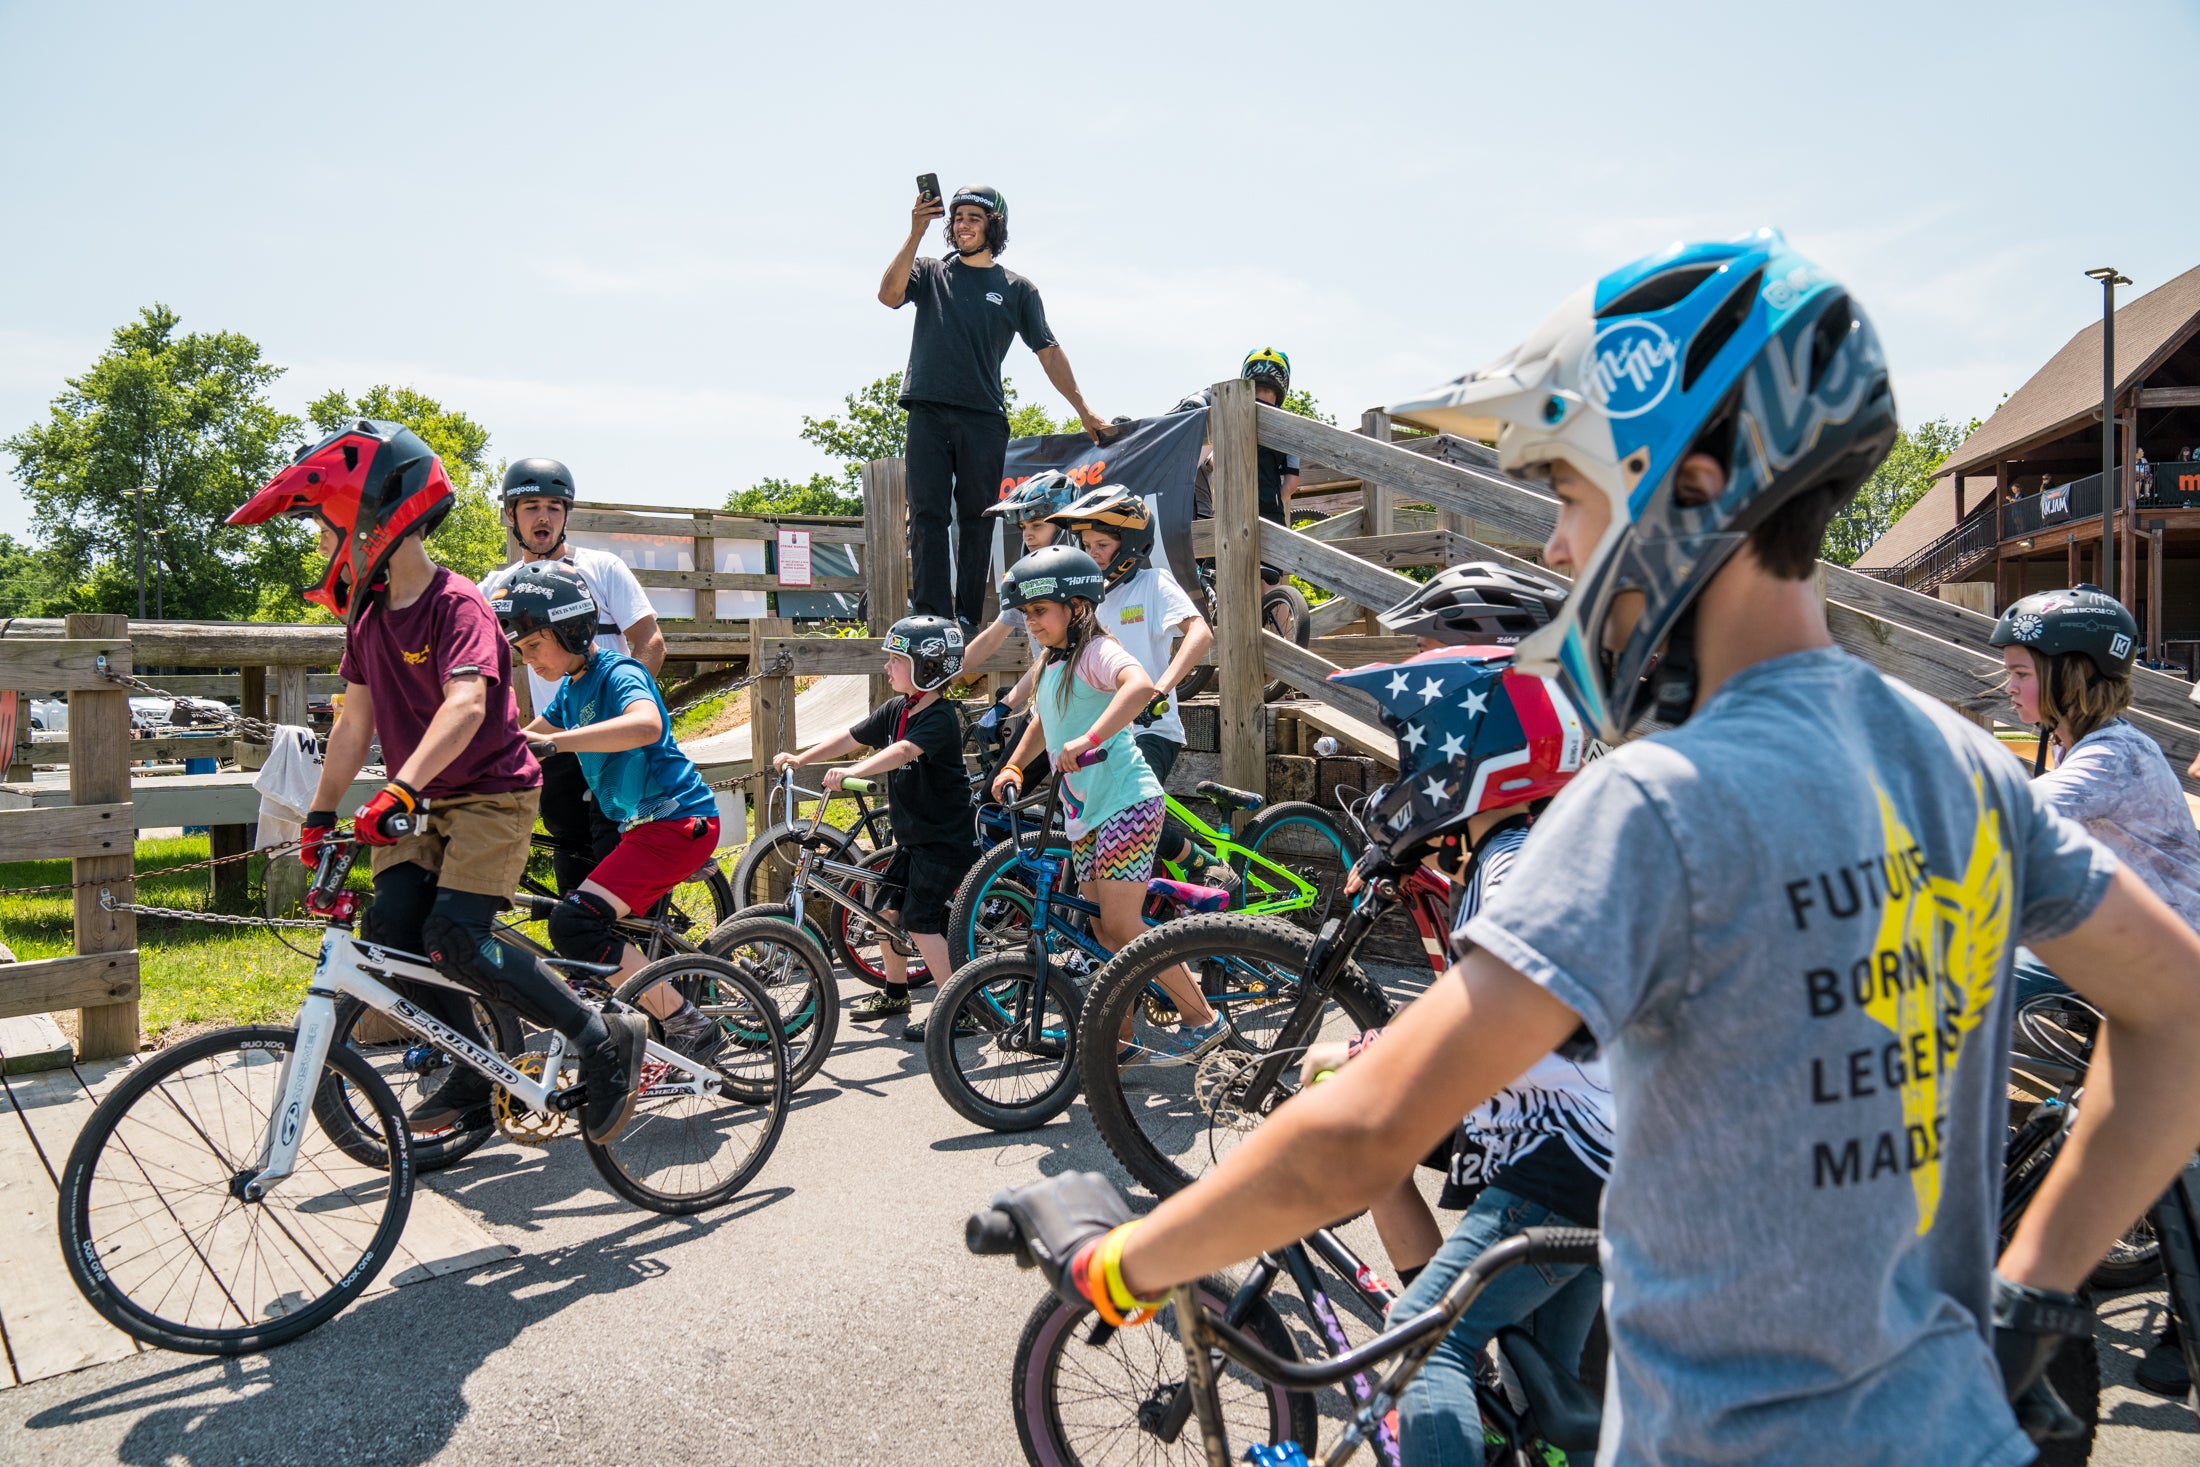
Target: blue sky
645	239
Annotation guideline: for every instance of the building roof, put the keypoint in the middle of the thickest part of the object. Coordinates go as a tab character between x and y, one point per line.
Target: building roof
2065	394
1921	524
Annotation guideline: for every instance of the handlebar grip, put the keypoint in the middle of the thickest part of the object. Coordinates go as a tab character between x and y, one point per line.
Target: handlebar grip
1560	1247
991	1233
858	786
1091	757
402	823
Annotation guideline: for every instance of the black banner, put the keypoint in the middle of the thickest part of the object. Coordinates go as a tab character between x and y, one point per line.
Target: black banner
1154	458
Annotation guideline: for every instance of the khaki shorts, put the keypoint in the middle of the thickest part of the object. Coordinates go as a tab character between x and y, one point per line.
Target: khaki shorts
475	843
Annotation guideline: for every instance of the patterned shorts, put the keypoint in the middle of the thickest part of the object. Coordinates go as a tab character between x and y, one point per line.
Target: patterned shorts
1122	849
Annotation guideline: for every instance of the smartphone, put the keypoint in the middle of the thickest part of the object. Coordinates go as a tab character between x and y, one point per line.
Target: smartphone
928	187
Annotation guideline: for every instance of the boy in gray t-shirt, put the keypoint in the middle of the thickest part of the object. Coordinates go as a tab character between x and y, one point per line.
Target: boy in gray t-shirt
1787	922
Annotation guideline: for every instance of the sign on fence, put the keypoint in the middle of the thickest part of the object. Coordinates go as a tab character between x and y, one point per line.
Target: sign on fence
794	557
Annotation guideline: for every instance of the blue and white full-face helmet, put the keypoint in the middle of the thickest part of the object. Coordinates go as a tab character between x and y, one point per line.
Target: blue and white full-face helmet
1742	350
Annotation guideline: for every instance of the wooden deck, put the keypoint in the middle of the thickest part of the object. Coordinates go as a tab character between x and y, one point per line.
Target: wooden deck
46	1328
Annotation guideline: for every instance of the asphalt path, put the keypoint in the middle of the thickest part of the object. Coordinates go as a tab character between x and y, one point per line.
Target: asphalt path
829	1315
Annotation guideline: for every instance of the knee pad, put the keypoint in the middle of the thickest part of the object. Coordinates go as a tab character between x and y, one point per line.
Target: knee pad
583	928
455	936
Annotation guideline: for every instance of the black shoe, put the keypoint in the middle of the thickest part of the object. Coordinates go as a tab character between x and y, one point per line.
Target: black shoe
879	1006
461	1102
612	1072
693	1034
2162	1370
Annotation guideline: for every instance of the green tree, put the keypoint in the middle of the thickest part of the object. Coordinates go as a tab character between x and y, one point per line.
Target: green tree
822	494
186	416
1299	400
471	538
1900	481
28	586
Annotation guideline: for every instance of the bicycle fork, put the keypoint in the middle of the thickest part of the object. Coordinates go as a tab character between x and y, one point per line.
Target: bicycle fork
294	1095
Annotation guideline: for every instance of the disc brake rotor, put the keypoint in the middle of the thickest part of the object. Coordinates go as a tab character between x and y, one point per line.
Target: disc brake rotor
1218	1088
518	1122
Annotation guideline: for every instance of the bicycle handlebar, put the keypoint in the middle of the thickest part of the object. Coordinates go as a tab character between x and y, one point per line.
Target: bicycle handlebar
858	785
992	1233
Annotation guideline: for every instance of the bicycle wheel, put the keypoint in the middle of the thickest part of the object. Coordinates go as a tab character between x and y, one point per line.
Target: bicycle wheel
685	1151
790	965
164	1249
701	902
1014	1066
2130	1261
1084	1394
1169	1124
2075	1373
992	907
412	1068
766	866
856	939
1309	842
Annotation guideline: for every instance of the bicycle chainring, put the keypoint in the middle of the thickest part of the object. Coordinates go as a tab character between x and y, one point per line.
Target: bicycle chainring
519	1123
1159	1011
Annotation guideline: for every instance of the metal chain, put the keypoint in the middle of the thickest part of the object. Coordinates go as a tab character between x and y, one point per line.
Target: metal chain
780	665
141	876
254	730
108	903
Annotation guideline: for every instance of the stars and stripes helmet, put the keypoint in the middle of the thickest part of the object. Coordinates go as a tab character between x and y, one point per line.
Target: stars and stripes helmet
1474	734
1740	349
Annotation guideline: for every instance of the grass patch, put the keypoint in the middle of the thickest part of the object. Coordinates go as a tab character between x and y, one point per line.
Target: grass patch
189	972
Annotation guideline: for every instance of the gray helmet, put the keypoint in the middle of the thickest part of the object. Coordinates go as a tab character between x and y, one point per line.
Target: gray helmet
1477	604
933	645
1055	573
2083	619
1036	498
537	478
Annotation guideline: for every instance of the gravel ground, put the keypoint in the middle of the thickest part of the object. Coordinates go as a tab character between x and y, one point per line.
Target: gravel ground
830	1315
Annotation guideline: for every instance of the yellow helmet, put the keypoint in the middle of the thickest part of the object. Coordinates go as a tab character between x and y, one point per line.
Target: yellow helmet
1266	364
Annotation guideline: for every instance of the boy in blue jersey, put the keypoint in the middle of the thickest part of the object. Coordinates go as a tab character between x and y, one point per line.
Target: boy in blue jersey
610	714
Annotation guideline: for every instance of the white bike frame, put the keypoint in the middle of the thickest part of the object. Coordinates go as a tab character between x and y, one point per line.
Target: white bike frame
353	968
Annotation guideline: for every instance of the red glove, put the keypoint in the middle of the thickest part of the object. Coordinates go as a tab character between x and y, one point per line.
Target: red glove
318	830
394	798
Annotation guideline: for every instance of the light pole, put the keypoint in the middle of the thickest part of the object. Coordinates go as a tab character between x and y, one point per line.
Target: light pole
160	598
2109	281
137	515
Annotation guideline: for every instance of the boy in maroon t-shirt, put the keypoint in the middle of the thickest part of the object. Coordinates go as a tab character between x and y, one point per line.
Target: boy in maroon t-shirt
426	665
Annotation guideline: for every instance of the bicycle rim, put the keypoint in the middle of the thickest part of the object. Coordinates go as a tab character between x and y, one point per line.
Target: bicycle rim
1308	843
160	1246
1017	1066
684	1152
791	967
1086	1395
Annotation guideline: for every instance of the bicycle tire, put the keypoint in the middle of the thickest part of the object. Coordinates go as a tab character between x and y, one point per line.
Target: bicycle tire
701	902
1039	1076
329	1271
757	1085
409	1073
2131	1260
856	940
768	861
1169	1126
1310	841
790	963
972	914
2075	1373
1056	1350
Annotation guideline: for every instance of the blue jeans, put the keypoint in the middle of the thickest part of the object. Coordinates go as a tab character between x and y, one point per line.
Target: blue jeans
1439	1424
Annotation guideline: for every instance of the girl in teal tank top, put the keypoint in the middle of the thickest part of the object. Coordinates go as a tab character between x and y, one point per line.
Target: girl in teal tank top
1088	690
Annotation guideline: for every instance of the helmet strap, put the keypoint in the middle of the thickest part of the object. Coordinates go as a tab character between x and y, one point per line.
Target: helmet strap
2039	756
1673	684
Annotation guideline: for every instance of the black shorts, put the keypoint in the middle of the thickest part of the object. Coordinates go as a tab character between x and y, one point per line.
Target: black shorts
921	882
1160	752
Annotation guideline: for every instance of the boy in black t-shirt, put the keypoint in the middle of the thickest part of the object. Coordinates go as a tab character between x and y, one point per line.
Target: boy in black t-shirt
919	739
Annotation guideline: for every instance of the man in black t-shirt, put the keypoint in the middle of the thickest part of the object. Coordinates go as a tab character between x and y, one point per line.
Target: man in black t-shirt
968	309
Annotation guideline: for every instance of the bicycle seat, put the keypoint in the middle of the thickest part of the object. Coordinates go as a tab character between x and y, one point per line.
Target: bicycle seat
1192	898
1228	798
1564	1412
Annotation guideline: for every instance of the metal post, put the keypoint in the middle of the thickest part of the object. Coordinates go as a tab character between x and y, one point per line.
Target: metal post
137	505
2109	279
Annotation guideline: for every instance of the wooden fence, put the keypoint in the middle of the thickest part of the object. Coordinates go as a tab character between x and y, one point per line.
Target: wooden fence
95	829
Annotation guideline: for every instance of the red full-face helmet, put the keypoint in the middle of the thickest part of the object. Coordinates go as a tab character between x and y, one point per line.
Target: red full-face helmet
371	482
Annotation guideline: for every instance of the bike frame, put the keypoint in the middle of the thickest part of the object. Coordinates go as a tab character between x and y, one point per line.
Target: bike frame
1287	891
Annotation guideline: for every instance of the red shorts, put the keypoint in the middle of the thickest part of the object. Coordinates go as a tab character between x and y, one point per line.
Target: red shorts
653	858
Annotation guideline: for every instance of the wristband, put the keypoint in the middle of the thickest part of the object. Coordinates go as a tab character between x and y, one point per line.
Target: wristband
1110	1290
1014	771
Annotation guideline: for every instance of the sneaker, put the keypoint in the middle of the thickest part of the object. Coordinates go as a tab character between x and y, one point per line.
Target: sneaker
612	1072
693	1034
965	1028
1222	878
879	1005
1189	1044
2162	1370
461	1101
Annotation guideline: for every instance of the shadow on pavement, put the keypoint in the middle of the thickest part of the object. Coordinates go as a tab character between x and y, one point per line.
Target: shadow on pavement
386	1381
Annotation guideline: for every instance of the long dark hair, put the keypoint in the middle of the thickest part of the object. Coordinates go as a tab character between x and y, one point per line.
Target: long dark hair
1084	628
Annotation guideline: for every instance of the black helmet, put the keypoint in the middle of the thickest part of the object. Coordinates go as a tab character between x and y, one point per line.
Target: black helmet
537	478
547	593
984	195
933	645
1055	573
1125	514
989	199
1478	604
2084	619
1266	364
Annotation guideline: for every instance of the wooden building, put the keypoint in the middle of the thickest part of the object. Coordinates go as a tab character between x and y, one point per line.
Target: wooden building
2018	506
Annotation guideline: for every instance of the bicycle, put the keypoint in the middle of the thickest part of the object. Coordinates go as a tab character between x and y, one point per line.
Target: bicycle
766	865
202	1211
1283	610
1183	1121
1001	1040
991	904
1559	1409
708	894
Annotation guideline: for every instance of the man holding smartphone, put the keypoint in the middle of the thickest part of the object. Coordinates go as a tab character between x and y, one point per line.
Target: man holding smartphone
968	309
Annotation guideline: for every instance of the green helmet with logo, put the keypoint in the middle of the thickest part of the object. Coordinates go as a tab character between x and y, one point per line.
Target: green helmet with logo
1056	573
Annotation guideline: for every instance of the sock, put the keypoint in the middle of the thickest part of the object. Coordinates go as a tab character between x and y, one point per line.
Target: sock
897	990
591	1034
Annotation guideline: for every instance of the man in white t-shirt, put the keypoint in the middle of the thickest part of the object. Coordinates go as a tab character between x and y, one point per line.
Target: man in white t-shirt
538	493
